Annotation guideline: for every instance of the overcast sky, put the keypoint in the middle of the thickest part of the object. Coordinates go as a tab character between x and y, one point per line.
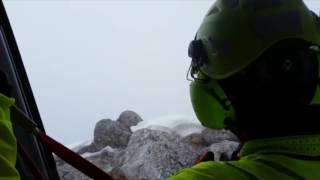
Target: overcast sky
89	60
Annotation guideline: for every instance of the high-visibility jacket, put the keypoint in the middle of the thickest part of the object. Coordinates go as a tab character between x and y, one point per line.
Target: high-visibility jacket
8	145
295	157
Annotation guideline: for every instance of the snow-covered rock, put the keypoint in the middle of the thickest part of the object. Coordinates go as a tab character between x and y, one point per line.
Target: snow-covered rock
149	150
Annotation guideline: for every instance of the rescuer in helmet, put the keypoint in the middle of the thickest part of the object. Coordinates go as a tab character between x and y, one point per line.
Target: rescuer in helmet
255	69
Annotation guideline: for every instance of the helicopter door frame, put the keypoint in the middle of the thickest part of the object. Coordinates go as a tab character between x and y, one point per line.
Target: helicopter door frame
11	63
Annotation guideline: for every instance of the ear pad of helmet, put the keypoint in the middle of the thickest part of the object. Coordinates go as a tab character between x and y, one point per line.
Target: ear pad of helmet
211	105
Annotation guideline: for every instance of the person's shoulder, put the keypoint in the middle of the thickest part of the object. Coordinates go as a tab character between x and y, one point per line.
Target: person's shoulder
209	170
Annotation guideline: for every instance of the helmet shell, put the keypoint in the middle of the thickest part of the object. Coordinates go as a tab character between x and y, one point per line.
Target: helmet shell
236	32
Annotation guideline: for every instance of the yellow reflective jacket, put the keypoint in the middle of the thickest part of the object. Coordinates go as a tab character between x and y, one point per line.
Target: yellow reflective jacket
296	157
8	145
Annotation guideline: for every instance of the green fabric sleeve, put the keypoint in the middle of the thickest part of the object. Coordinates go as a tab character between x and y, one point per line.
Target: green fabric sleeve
8	145
209	171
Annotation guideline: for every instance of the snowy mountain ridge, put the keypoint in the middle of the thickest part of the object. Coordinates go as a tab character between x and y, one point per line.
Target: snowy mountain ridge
130	148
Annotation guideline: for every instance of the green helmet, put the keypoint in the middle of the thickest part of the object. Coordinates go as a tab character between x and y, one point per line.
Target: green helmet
233	35
235	32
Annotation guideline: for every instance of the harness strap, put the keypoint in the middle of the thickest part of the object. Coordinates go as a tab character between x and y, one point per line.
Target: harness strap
72	158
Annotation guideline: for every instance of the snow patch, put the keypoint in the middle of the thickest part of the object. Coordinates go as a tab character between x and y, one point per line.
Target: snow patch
107	148
182	125
186	129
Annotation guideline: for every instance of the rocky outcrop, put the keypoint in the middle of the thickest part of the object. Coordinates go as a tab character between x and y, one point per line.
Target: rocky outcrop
196	139
115	134
153	153
212	136
129	119
111	133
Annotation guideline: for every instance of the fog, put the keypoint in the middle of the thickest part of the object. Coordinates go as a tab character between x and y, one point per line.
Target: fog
89	60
